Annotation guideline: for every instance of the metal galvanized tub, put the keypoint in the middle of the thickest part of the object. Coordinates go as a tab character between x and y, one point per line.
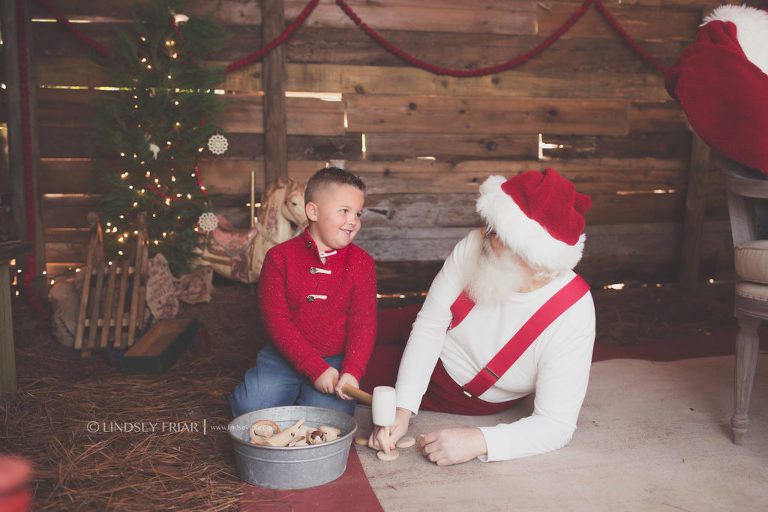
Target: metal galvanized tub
295	467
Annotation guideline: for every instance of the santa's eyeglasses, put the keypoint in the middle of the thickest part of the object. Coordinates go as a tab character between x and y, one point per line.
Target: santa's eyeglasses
489	232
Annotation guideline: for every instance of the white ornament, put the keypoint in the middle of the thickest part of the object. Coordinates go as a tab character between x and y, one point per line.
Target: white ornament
178	17
218	144
208	221
155	149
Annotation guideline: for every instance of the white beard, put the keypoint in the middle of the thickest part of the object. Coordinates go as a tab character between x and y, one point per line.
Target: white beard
495	277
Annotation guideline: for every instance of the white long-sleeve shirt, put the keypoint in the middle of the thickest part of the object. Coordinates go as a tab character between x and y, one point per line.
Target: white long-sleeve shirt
555	367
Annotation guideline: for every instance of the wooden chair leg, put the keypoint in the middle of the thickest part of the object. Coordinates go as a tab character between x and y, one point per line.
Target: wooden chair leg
747	345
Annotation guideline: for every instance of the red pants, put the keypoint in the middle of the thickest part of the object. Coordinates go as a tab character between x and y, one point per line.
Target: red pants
443	393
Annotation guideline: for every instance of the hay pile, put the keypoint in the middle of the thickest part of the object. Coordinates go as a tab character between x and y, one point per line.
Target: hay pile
101	440
120	445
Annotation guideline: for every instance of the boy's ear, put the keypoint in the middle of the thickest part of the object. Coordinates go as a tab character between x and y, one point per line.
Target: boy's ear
311	210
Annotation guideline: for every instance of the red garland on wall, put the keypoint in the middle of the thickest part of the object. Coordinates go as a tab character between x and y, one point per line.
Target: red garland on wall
64	21
509	64
623	33
464	72
288	32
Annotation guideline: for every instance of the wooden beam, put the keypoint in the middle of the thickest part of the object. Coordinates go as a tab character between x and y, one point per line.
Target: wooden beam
695	208
275	131
16	27
8	251
7	353
13	109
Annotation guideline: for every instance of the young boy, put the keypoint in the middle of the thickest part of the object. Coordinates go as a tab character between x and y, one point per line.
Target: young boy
317	294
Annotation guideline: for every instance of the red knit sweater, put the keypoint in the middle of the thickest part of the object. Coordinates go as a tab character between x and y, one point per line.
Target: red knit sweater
304	326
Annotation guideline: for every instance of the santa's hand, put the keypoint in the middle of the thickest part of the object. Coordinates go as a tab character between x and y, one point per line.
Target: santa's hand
453	445
396	431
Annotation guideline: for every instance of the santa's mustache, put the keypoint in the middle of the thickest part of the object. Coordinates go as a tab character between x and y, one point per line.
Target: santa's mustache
495	276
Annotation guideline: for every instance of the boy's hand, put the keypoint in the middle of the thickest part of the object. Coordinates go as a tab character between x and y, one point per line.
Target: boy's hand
325	382
346	380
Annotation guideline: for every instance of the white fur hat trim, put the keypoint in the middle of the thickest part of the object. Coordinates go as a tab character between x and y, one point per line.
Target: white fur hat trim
526	237
751	30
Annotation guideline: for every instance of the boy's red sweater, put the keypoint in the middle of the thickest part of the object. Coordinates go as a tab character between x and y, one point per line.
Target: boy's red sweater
307	329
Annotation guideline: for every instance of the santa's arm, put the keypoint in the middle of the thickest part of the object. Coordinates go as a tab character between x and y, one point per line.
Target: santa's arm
428	333
561	385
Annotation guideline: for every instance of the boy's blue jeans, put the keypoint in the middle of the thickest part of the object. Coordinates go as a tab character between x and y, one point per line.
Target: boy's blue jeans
273	382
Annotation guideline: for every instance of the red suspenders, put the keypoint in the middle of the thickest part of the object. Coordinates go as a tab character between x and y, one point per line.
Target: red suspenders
523	338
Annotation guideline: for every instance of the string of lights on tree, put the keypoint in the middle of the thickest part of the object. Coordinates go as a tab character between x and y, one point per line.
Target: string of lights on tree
149	131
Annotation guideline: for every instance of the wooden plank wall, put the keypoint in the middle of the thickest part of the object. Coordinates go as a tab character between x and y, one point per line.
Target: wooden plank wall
604	117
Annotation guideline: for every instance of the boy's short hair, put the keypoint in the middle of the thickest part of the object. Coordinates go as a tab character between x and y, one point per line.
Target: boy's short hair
329	175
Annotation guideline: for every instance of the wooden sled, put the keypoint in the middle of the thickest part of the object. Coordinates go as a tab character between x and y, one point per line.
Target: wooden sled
107	289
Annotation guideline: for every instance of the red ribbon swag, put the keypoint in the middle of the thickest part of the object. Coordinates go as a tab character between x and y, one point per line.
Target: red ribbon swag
289	31
464	72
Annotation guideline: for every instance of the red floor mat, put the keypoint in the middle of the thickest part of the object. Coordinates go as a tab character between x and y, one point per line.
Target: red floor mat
351	491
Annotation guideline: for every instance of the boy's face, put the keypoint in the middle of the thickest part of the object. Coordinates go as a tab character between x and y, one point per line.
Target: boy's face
335	216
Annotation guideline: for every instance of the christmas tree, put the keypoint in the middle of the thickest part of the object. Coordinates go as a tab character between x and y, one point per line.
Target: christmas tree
149	132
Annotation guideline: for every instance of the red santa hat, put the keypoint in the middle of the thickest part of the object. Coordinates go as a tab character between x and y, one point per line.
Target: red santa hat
721	81
539	215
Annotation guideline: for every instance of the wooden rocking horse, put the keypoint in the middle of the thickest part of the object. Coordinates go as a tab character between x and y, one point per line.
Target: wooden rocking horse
239	253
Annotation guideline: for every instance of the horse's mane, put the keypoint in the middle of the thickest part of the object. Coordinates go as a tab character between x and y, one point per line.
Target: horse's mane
272	199
278	208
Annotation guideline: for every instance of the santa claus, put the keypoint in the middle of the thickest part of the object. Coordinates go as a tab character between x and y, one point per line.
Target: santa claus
505	317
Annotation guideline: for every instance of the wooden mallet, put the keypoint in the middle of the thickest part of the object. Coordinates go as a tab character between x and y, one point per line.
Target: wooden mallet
383	409
382	402
361	395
